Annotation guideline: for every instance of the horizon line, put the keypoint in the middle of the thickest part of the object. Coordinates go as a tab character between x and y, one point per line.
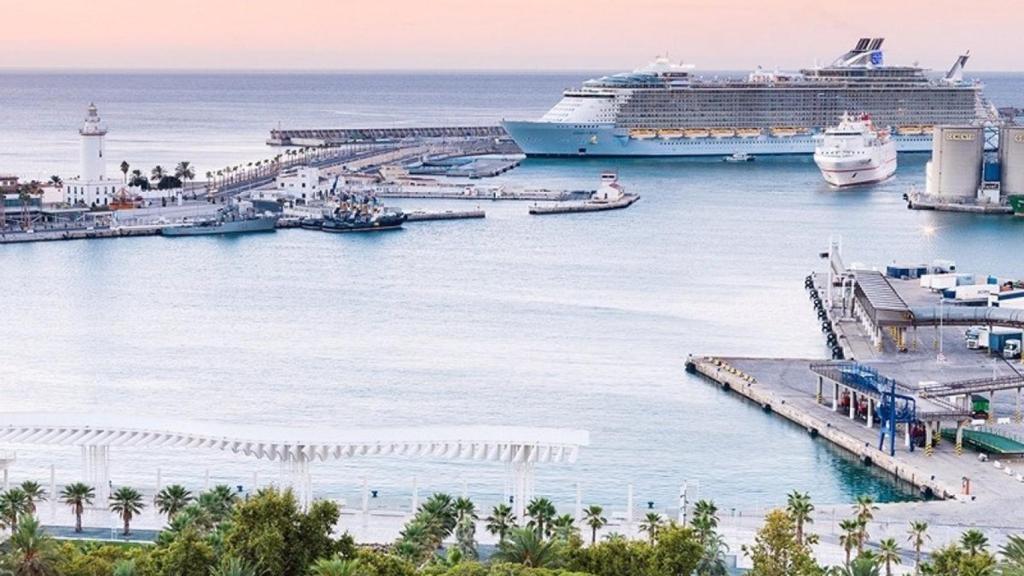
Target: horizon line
234	70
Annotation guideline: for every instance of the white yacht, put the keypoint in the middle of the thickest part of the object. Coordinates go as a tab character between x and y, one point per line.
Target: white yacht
855	152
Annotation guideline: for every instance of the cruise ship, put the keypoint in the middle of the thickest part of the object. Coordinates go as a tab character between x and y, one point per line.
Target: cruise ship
664	109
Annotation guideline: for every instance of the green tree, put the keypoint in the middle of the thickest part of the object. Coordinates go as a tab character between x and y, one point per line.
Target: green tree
465	533
541	513
189	554
501	520
157	173
776	551
127	503
171	499
705	519
799	507
124	568
268	530
677	551
77	496
526	547
917	536
56	181
218	502
31	551
184	172
1013	556
230	566
889	554
974	542
124	169
650	525
865	564
614	558
593	516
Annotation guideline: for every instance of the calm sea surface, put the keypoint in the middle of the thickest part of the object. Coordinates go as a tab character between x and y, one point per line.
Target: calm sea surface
562	321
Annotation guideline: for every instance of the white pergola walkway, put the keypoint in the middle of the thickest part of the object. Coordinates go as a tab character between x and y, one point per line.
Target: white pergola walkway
521	448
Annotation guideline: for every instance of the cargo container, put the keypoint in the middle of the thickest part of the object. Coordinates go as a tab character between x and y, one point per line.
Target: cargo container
906	271
979	406
973	292
938	281
1007	299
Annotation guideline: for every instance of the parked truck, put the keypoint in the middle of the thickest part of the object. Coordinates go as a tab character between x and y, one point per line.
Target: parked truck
994	339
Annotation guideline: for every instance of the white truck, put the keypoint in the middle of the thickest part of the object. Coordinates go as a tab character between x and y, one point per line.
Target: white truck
1011	349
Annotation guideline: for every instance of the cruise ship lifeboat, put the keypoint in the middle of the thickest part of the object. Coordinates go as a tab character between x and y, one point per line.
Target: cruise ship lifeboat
748	132
670	134
642	134
696	133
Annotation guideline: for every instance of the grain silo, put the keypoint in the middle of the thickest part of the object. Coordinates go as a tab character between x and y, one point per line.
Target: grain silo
1011	159
955	169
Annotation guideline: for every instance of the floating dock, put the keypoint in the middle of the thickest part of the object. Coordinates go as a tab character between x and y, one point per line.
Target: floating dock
454	192
424	216
624	202
919	202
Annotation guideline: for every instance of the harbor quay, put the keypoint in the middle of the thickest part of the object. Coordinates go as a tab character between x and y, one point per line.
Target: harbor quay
922	386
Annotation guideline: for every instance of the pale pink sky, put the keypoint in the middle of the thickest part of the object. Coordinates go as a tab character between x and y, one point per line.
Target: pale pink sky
499	34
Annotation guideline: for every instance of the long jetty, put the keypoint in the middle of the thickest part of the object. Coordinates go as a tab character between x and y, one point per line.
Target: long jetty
338	136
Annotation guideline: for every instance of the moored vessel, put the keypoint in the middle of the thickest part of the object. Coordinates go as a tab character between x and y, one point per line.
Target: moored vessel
231	220
642	113
855	152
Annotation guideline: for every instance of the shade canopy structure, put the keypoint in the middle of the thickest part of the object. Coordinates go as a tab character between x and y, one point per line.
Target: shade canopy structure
520	447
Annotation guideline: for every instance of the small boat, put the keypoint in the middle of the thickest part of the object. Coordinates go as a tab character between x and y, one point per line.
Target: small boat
722	132
385	220
670	134
642	134
748	132
739	157
696	133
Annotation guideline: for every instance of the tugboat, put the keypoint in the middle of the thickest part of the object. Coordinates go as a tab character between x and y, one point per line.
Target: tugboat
739	157
229	220
357	214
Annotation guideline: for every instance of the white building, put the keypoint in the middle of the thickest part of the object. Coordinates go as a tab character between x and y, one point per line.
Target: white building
300	183
92	187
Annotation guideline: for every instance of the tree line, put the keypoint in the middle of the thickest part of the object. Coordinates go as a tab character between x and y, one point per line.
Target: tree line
217	533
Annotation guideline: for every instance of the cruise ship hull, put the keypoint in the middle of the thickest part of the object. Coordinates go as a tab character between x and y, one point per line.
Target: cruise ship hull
539	139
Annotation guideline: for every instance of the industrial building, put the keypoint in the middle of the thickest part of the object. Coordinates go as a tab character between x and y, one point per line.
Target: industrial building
964	176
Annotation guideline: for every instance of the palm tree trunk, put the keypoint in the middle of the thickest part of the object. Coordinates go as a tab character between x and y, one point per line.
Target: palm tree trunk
78	520
593	534
888	567
127	532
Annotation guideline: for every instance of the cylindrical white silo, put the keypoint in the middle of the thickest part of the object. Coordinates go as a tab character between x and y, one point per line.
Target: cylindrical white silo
957	153
1011	159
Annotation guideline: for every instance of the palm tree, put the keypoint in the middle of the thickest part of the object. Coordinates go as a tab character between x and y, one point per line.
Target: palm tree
232	566
524	546
564	527
77	496
705	518
501	520
850	537
918	535
799	508
127	503
56	181
32	552
864	509
124	170
974	542
218	502
14	504
1013	552
439	512
593	517
336	567
651	524
865	564
25	197
184	172
34	494
464	507
157	173
889	554
172	499
712	560
541	512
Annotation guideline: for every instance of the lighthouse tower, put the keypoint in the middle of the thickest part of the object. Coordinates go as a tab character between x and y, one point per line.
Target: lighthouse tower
91	188
93	133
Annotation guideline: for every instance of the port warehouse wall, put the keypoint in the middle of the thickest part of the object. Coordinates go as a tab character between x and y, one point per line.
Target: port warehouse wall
959	164
748	387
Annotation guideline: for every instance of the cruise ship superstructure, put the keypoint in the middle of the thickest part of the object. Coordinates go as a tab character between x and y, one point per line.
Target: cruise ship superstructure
663	109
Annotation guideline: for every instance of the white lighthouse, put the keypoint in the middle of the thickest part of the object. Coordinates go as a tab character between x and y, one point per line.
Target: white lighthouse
92	187
93	132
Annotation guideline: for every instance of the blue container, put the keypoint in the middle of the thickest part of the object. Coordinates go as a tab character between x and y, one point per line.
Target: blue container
997	340
992	280
991	172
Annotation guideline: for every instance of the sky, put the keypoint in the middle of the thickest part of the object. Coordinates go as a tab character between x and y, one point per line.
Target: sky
499	34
